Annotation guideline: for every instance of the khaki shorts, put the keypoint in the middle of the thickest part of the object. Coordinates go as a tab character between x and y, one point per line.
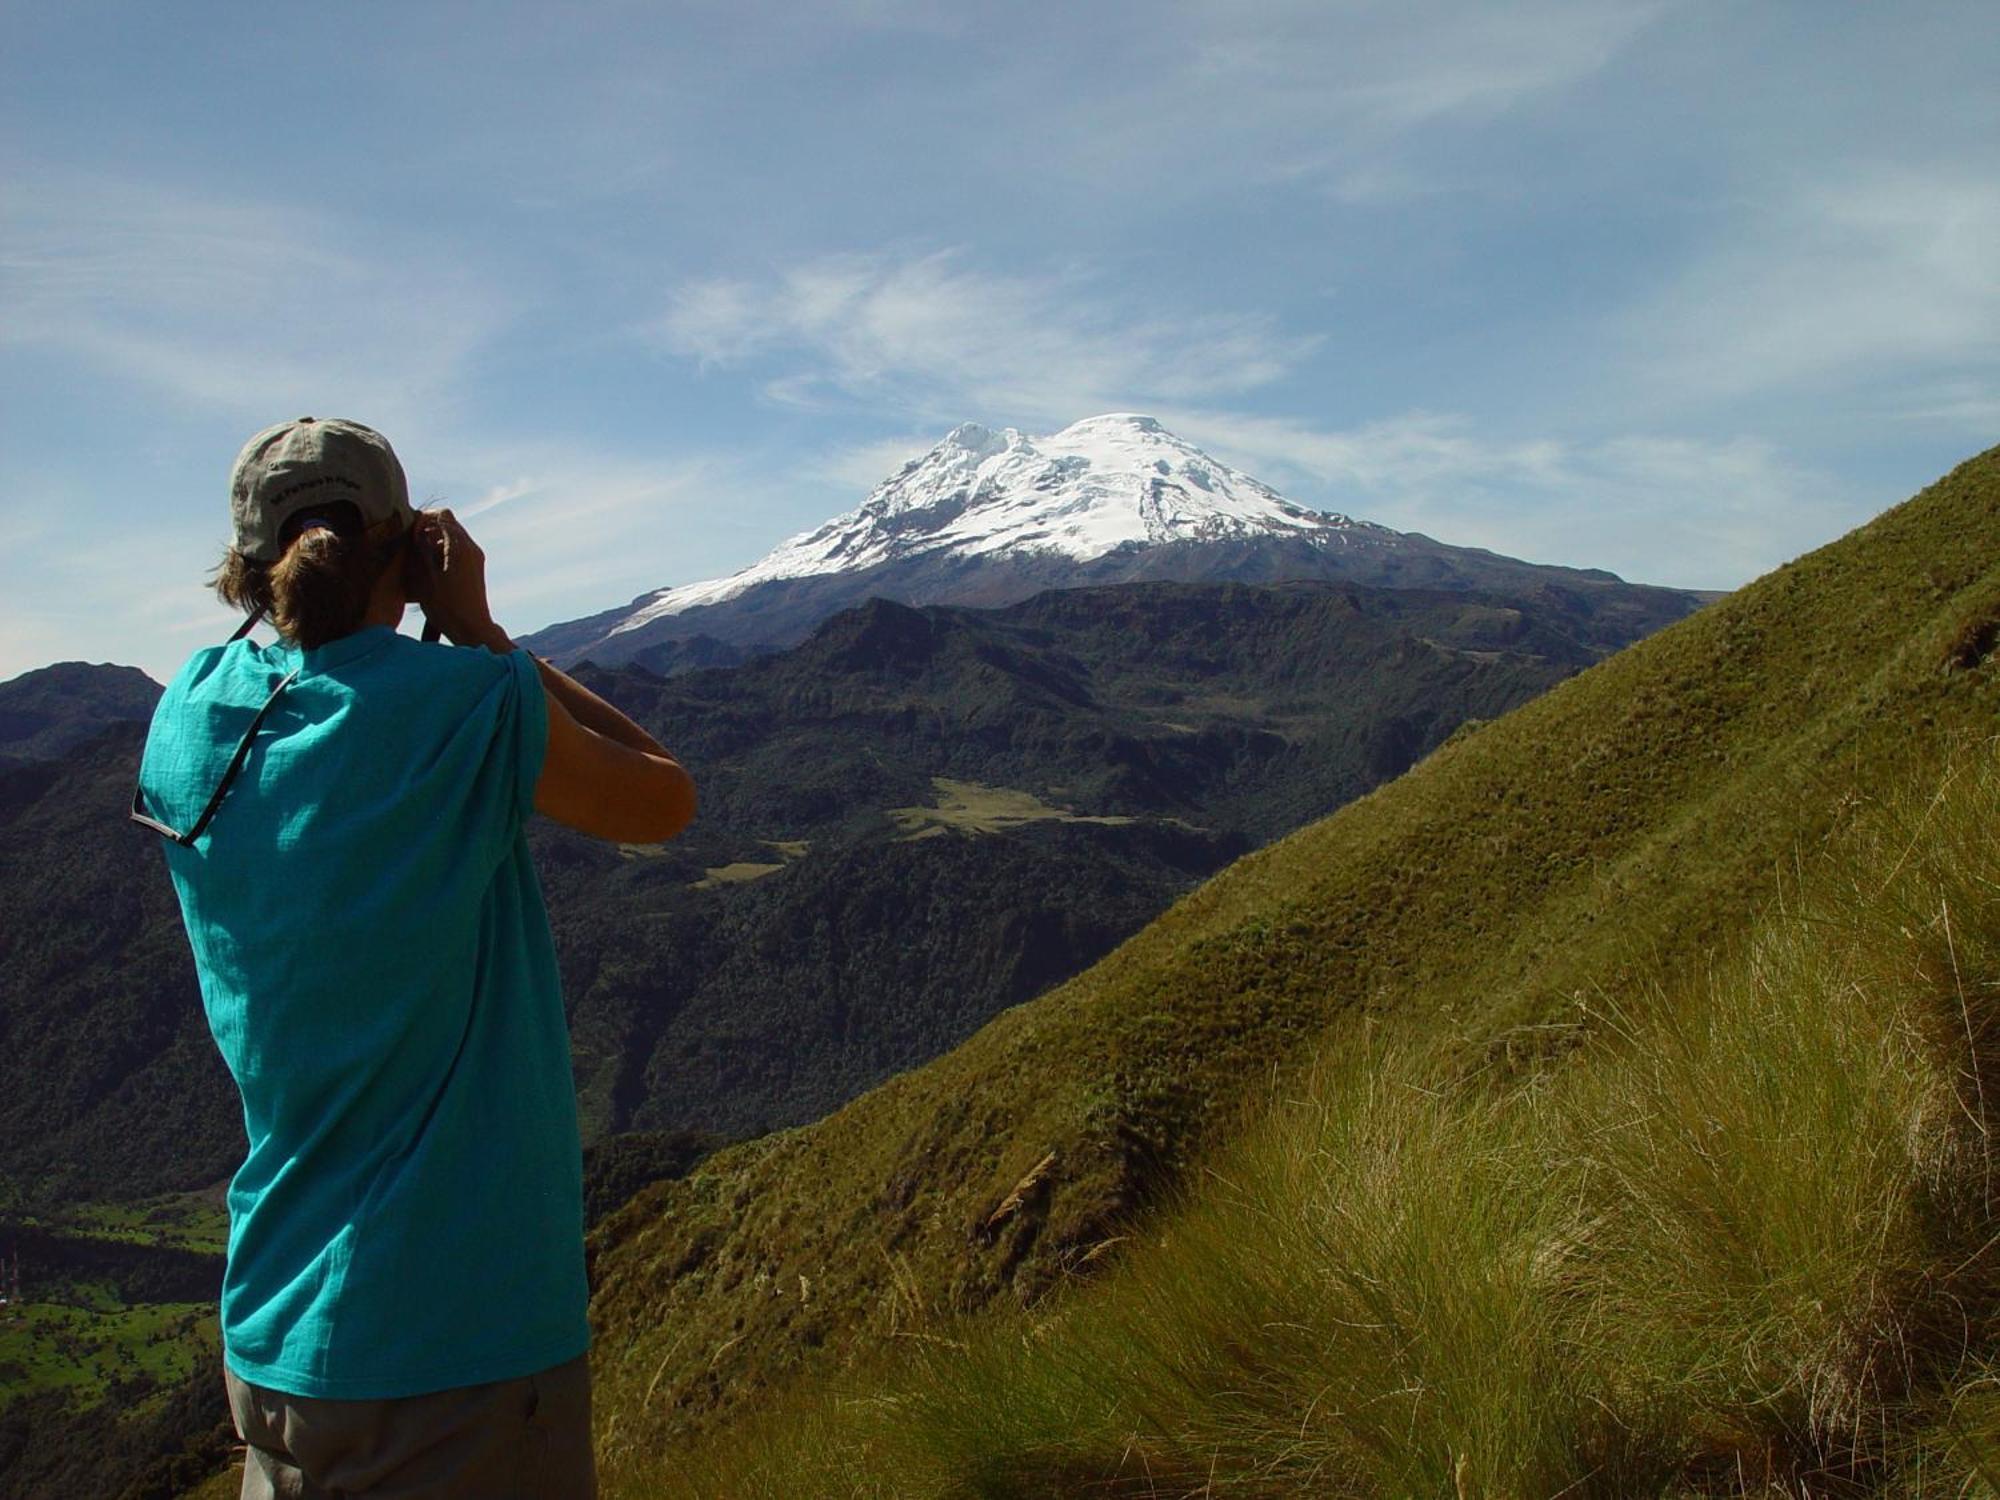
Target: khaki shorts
522	1439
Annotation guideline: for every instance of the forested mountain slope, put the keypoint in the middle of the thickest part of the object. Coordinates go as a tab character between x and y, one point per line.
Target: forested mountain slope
1617	828
50	711
909	822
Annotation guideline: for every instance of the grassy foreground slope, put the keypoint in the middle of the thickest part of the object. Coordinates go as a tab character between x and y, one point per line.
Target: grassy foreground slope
1736	1240
1620	827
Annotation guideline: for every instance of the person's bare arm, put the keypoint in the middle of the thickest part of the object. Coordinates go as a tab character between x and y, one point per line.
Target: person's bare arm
605	786
589	710
602	774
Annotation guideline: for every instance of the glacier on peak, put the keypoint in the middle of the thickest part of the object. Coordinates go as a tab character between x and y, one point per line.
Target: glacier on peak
977	439
1107	482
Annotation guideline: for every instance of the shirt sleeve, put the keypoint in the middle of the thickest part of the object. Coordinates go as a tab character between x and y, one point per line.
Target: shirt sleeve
531	730
490	759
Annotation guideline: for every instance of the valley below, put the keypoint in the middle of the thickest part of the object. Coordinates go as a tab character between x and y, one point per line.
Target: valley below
912	821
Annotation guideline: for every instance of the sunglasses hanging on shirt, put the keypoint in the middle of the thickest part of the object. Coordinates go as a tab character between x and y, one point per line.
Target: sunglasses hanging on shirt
186	840
139	815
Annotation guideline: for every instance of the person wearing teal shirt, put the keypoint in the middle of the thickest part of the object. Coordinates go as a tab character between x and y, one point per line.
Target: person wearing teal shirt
344	809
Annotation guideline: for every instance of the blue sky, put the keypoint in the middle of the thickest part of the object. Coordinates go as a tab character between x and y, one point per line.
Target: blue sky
1678	289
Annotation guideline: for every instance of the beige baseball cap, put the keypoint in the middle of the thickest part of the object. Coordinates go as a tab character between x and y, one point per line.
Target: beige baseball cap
306	465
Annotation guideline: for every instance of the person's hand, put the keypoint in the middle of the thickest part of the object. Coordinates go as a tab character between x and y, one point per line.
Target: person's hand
448	579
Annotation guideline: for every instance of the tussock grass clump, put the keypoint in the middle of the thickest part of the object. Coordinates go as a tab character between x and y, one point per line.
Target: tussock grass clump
1737	1239
1362	1302
1777	1174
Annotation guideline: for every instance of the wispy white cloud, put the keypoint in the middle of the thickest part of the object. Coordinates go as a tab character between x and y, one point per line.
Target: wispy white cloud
1341	94
134	592
1693	512
494	496
232	306
859	467
1845	285
1390	67
569	530
931	336
1968	404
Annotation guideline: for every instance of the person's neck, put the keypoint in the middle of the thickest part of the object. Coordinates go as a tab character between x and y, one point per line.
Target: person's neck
386	604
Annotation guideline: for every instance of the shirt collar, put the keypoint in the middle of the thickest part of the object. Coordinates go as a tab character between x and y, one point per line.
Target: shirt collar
335	653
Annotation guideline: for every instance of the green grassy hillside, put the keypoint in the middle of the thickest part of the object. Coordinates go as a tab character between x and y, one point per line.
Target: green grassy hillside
1737	1239
1610	834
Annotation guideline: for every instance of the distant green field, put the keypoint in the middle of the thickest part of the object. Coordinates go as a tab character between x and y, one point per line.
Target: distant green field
73	1333
179	1221
87	1347
735	874
977	808
739	871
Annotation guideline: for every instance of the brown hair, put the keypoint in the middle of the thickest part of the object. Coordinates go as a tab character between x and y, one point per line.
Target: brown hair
319	590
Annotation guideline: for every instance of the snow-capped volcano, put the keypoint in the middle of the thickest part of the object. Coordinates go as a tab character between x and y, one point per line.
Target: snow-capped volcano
1104	483
987	518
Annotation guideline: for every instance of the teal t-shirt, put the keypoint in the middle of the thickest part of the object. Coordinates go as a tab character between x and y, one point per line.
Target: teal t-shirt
377	969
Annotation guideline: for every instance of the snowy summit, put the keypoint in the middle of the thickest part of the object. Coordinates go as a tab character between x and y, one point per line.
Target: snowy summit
1119	480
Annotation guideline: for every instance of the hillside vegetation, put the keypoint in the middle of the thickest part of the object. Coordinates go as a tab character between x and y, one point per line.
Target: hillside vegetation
1200	719
1737	1238
47	713
1605	840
